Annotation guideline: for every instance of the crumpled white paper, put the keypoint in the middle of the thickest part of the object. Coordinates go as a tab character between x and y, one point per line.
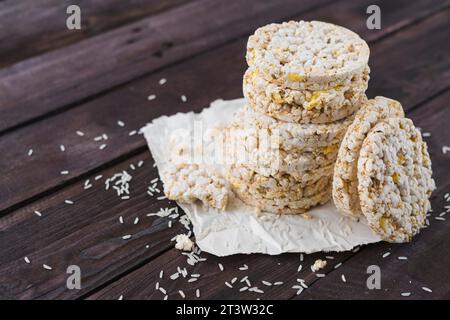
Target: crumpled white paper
239	229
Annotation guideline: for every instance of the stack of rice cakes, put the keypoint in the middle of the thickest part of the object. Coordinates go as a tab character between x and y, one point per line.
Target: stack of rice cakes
304	83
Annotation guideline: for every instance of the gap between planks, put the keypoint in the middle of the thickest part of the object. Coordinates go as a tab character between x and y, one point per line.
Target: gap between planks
105	165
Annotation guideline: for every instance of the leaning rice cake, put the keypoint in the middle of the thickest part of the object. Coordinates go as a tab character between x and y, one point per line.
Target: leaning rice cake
395	180
345	182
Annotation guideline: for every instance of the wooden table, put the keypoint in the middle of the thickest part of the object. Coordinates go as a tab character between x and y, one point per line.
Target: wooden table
55	82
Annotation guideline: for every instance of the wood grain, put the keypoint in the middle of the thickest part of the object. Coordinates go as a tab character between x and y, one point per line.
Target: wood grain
71	74
426	247
88	233
130	105
32	27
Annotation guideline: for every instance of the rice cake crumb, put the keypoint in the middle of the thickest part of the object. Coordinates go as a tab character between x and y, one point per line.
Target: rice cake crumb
318	264
184	243
189	182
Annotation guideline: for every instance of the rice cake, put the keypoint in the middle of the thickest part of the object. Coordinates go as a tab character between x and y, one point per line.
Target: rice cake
395	179
302	54
345	182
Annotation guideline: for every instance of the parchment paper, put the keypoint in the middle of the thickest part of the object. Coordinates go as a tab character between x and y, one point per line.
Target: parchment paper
240	229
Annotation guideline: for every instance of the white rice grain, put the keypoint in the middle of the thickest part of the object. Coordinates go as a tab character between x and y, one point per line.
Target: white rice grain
320	275
406	294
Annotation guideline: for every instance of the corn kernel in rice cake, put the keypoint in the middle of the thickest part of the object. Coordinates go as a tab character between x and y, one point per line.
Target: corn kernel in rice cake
395	179
345	182
307	53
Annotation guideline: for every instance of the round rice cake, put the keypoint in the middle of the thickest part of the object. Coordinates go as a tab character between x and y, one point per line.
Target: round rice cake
269	159
345	182
286	206
395	179
304	106
307	53
279	194
279	183
288	135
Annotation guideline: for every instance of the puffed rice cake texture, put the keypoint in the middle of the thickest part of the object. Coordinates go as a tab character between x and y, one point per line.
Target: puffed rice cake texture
268	158
345	182
304	106
287	135
307	55
282	194
395	179
190	182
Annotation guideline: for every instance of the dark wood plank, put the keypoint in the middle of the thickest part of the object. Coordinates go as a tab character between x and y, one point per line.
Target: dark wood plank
83	234
427	262
211	283
73	73
32	27
92	117
129	104
135	93
395	15
427	256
